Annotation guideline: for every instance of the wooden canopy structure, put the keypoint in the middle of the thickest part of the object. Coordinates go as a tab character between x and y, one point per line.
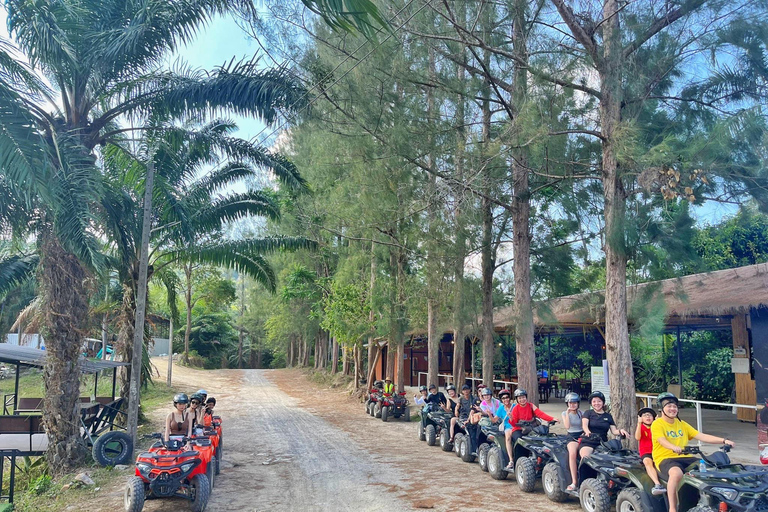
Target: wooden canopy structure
733	299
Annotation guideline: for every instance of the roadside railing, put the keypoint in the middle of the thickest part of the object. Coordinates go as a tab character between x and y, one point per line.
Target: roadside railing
448	378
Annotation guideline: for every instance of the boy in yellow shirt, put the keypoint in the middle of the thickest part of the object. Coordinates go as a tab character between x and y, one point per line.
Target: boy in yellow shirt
670	435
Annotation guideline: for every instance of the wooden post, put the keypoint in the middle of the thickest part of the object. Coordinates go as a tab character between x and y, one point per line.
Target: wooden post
745	386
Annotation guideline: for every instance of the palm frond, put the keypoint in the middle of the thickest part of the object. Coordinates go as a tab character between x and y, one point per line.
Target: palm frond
16	270
349	15
234	207
172	285
41	31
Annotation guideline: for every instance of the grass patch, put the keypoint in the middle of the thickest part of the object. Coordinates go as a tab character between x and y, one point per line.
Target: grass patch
327	379
56	496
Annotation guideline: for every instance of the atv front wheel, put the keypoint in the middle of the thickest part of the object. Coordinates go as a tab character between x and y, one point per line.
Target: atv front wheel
701	508
465	451
593	495
384	414
496	463
457	440
200	490
377	410
133	499
407	415
482	456
422	435
370	408
525	473
550	481
210	472
445	438
629	500
431	435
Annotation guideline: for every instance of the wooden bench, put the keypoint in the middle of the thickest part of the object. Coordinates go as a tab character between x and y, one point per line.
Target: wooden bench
21	424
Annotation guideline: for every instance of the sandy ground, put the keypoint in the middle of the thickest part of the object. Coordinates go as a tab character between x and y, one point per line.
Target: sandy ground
290	445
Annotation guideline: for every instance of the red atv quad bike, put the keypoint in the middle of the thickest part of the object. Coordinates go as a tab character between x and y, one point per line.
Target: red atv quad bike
213	435
168	470
395	405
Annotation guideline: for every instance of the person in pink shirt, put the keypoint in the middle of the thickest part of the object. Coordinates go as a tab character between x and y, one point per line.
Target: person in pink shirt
524	411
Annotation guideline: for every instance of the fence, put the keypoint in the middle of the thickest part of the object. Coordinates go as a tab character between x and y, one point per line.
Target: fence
448	378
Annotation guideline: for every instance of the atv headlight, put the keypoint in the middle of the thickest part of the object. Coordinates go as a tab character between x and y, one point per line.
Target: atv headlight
144	469
726	492
187	467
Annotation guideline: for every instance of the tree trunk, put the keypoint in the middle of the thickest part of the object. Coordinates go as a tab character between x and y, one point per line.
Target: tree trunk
358	365
344	360
64	289
170	352
488	263
459	322
188	300
621	375
124	346
335	355
432	266
521	231
371	343
401	298
240	331
289	355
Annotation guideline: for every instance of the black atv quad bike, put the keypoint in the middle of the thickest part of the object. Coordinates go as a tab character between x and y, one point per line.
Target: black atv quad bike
604	474
434	419
722	487
531	454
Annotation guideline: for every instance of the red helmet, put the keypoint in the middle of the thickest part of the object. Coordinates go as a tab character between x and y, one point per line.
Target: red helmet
505	392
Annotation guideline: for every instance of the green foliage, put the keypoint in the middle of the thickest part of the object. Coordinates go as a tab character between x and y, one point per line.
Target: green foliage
346	309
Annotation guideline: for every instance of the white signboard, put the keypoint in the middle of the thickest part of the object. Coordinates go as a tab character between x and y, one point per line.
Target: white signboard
600	381
739	365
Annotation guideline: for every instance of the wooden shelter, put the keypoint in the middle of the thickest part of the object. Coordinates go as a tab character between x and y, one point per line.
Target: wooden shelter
734	299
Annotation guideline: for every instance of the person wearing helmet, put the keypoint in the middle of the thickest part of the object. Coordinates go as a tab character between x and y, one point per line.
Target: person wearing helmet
645	447
670	435
196	411
453	399
572	422
210	404
596	421
465	412
421	398
203	394
179	421
523	411
490	406
389	388
505	414
462	409
435	396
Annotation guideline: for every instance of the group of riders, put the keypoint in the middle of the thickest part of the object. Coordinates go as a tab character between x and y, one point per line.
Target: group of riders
661	439
189	414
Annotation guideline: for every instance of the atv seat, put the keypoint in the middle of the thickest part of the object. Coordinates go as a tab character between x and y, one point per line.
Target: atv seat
719	459
614	445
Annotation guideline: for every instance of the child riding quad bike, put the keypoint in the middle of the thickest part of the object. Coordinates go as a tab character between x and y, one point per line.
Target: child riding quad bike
167	470
373	396
722	486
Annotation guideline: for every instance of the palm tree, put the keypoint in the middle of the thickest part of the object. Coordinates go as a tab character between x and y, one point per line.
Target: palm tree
190	212
102	60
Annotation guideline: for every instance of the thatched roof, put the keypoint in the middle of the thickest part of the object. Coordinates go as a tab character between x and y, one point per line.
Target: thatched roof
680	300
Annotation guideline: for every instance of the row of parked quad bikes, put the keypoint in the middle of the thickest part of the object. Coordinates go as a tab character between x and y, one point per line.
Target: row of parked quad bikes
612	475
168	469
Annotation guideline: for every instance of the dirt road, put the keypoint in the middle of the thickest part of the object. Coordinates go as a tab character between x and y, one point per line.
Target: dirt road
289	445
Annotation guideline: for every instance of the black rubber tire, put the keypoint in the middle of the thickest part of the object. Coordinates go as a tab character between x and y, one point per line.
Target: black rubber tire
550	481
202	489
593	496
701	508
134	496
465	452
525	474
407	415
217	465
113	448
445	444
457	440
482	456
218	456
210	473
370	409
431	434
377	410
630	500
496	464
384	414
422	435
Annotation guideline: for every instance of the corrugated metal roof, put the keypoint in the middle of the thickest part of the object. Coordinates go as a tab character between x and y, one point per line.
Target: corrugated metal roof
15	354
